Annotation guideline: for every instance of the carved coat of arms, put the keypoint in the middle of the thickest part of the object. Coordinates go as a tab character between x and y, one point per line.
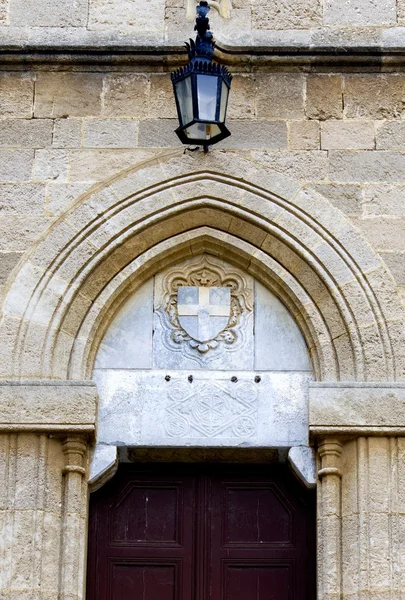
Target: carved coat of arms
204	309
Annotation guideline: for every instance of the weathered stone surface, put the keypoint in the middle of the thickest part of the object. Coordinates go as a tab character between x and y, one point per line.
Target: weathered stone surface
67	133
360	12
280	96
384	233
33	133
8	261
279	344
391	136
126	95
3	11
366	166
374	96
303	135
270	135
97	165
282	14
324	97
353	135
127	343
162	104
158	133
139	408
384	199
20	198
48	13
18	232
16	165
124	14
396	264
357	406
348	198
242	100
50	165
55	404
303	462
110	134
16	95
310	165
104	464
68	94
60	195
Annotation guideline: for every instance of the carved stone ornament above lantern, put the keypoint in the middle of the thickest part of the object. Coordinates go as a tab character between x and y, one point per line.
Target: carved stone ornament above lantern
204	309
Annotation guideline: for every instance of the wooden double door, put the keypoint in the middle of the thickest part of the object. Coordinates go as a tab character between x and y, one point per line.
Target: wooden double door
201	532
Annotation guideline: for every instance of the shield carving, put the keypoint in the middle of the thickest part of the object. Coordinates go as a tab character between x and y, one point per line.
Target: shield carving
203	311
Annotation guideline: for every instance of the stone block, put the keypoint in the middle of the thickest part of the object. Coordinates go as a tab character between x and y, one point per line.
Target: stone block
270	135
384	199
282	14
32	133
363	166
306	165
303	461
97	165
356	406
139	408
126	95
324	97
242	99
374	96
280	96
16	165
50	165
57	405
48	13
59	196
8	261
127	343
110	134
22	198
162	104
104	464
385	234
18	232
3	12
401	12
396	264
303	135
351	135
126	15
348	198
68	94
360	12
67	133
391	136
158	133
16	95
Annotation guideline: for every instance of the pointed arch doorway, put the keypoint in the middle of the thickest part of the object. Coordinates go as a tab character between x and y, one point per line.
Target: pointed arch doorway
202	532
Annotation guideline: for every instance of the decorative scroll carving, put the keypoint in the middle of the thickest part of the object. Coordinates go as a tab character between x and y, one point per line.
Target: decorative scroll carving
211	409
200	455
205	272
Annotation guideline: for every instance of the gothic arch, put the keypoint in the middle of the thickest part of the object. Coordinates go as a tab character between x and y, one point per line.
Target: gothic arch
120	233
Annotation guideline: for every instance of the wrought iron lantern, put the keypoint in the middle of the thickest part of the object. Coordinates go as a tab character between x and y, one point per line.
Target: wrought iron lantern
201	89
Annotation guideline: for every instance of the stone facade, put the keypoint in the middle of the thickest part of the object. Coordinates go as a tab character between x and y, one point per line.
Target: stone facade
98	200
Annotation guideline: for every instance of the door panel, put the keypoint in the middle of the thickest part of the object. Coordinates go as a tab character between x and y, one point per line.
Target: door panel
201	532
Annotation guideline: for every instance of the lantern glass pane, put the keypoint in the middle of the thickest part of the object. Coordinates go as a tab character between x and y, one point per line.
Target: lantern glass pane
207	86
202	131
224	102
185	100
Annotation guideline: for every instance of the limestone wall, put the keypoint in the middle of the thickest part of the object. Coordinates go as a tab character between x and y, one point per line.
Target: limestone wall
341	133
298	22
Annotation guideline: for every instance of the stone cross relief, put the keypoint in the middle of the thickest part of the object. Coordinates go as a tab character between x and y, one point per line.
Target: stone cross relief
203	311
222	6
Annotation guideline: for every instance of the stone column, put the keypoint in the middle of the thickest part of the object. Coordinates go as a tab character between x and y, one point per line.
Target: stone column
74	533
329	519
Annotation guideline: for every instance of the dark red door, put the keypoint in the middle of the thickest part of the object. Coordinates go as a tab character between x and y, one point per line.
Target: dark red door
201	532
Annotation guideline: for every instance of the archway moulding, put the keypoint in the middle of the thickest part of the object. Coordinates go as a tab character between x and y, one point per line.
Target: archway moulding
65	291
